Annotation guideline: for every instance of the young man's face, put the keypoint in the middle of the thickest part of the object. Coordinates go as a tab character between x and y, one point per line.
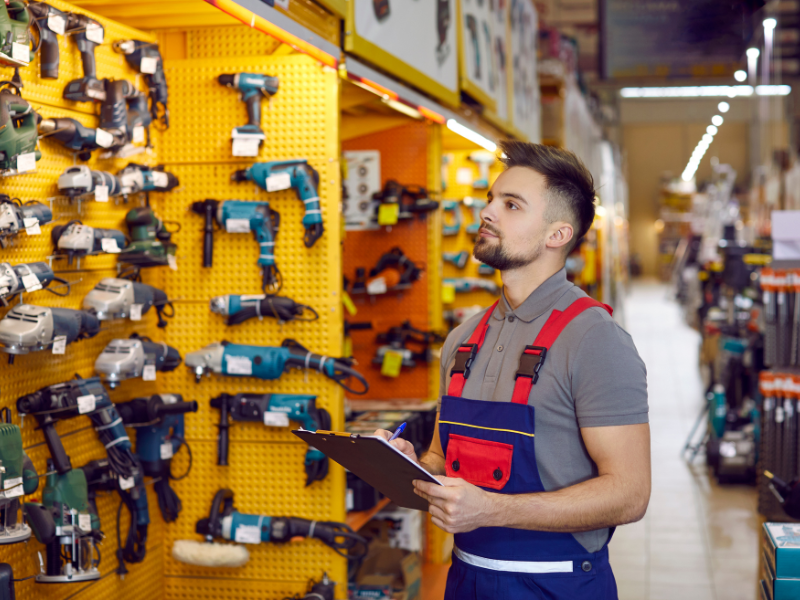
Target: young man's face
514	231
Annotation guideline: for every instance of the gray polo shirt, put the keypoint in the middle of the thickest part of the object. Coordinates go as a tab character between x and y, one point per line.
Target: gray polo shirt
592	377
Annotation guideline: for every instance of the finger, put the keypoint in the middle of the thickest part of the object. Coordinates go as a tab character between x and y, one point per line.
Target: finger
437	513
383	433
431	489
404	446
441	525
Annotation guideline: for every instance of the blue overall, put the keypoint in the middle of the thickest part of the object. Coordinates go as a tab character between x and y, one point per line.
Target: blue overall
491	445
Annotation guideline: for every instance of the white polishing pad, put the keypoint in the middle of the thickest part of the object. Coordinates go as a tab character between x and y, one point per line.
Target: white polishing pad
210	555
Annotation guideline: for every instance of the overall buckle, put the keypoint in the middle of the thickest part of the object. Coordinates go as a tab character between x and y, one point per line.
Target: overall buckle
530	363
464	359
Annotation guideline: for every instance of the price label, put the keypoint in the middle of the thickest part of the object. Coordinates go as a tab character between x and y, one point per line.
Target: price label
57	24
448	293
148	65
248	534
60	344
149	373
349	500
126	483
377	286
160	179
246	146
392	363
85	522
172	262
278	182
388	214
95	33
31	282
86	404
284	4
165	450
276	419
138	134
101	193
26	162
109	245
348	303
103	138
239	365
12	487
21	52
136	312
237	225
31	225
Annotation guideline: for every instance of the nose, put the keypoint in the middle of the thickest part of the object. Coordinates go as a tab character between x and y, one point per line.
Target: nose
488	213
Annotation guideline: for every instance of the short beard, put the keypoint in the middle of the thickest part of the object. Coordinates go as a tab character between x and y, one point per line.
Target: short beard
497	256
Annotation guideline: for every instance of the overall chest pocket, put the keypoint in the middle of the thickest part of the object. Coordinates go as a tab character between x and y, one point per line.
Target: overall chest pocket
480	462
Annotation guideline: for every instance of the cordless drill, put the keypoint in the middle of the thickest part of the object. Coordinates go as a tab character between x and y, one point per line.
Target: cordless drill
88	34
297	174
273	410
240	216
251	86
145	57
51	22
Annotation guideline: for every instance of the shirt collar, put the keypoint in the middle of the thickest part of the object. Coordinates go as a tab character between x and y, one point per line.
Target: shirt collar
539	302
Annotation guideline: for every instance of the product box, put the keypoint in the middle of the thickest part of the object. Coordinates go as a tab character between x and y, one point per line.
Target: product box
406	528
386	568
780	561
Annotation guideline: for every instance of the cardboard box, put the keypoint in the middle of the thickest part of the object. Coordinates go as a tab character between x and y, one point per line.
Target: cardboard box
780	561
386	568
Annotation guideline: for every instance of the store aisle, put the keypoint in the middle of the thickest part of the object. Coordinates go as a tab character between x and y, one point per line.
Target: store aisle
698	541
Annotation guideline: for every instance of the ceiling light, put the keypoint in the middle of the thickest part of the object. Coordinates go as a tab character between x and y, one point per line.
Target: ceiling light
708	138
689	91
712	130
472	136
717	120
773	90
740	75
724	106
753	52
769	24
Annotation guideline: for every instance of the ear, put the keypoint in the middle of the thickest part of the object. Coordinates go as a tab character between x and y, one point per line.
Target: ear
560	235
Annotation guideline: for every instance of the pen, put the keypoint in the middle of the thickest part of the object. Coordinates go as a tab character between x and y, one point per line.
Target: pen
398	432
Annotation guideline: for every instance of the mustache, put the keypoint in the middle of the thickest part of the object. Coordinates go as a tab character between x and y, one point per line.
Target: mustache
489	229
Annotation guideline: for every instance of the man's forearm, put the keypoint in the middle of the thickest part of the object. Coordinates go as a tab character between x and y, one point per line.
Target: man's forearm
433	462
596	503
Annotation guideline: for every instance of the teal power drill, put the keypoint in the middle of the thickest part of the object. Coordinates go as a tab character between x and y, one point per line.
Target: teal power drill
274	410
251	86
284	174
242	216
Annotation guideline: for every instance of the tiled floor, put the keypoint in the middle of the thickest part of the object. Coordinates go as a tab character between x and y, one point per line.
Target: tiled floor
698	541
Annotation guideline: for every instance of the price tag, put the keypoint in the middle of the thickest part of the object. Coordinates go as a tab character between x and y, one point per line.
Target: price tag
148	65
246	146
237	225
101	193
26	162
377	286
349	500
392	363
95	33
57	24
60	344
388	214
276	419
31	282
21	52
103	138
248	534
348	303
136	312
279	181
109	245
31	225
149	373
448	293
172	262
16	484
138	134
239	365
284	4
126	483
85	522
160	179
86	404
165	450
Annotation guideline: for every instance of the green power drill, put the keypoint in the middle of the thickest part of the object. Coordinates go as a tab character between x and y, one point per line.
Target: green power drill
18	478
18	131
151	244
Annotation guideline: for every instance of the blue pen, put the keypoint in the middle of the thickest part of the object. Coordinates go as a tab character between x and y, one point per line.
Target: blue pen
398	432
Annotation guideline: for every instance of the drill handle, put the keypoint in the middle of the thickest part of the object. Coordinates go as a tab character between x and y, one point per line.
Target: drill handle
208	235
50	56
223	439
86	48
60	458
253	103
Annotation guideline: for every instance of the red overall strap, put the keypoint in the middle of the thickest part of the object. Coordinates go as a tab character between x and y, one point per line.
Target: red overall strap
466	354
533	356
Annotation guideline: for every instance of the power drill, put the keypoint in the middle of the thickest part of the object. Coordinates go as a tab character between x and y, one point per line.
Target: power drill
273	410
15	21
242	216
159	436
297	174
27	328
51	22
239	308
269	362
80	181
133	357
74	136
136	179
124	108
151	243
77	239
18	133
18	478
88	34
114	298
145	57
26	277
471	284
251	86
16	217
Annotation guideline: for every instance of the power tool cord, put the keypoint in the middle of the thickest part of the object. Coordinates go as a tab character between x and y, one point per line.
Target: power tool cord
280	307
134	549
168	501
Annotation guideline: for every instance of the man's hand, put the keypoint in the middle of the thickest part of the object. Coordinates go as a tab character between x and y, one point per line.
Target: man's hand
404	446
458	507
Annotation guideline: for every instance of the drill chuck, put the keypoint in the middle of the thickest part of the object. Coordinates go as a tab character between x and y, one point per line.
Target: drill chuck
227	79
240	175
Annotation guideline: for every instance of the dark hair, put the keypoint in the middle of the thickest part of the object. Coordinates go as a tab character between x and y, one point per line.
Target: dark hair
569	183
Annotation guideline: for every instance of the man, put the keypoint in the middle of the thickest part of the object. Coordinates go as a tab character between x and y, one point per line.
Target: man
545	364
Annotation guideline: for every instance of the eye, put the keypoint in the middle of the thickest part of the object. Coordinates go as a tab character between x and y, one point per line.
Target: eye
512	206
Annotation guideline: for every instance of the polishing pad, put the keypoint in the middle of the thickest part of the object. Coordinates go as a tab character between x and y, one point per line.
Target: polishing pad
210	555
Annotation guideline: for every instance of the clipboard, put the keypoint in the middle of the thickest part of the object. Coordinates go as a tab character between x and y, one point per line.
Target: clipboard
374	460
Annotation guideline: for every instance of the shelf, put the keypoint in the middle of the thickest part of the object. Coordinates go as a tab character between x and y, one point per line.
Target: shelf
357	519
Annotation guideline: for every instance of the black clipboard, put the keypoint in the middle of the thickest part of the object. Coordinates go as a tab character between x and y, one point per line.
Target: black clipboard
374	460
